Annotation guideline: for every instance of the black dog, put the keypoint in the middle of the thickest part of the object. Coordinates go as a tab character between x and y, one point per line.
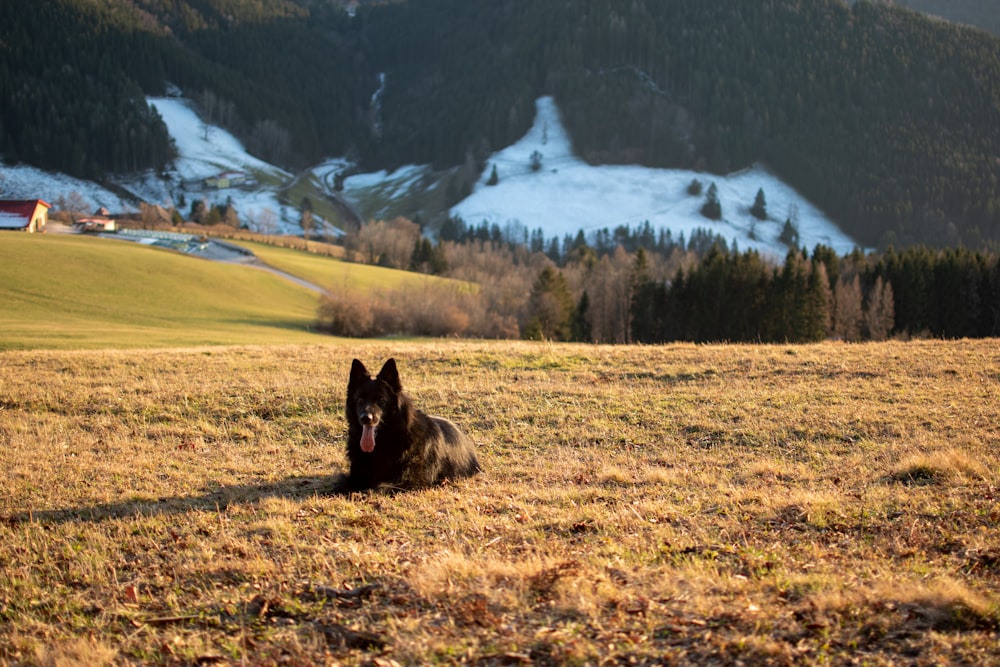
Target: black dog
392	443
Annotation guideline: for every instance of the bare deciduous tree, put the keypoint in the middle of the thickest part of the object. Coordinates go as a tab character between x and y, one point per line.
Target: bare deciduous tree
880	314
847	313
74	205
271	142
263	221
385	243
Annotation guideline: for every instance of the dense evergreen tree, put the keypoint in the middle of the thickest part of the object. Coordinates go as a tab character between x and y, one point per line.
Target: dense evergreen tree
580	326
427	258
711	208
494	178
759	207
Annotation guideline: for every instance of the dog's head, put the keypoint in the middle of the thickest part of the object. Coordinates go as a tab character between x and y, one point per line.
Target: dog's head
372	400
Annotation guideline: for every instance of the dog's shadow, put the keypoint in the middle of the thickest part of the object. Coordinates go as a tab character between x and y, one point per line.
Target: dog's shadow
212	500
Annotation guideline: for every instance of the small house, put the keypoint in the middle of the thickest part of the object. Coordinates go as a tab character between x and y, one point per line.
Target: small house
27	215
95	224
227	179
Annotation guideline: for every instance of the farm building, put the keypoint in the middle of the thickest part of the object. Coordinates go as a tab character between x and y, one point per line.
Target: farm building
29	215
227	179
95	224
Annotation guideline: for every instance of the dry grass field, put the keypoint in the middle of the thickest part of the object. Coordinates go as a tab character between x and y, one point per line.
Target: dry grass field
826	504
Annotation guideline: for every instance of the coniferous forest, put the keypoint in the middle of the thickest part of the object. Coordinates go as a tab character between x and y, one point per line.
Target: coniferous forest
952	293
637	285
886	119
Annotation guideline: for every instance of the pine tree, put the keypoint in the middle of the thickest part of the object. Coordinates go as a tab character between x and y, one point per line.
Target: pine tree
535	161
759	208
818	303
453	229
580	326
712	209
420	256
198	210
789	234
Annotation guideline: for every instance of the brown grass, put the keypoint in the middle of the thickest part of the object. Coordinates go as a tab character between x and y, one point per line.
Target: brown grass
691	504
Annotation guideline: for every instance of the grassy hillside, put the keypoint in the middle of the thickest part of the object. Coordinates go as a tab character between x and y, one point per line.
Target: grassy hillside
65	291
826	504
330	273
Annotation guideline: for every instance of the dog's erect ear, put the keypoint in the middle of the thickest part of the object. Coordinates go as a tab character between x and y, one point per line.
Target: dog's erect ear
358	373
390	375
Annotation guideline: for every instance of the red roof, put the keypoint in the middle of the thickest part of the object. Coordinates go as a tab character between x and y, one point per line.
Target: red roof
22	207
20	213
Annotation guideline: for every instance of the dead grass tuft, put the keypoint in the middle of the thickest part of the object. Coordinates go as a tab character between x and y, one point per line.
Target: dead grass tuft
948	604
77	652
938	467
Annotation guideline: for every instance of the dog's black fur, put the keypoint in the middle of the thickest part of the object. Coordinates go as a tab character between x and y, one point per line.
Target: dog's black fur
390	443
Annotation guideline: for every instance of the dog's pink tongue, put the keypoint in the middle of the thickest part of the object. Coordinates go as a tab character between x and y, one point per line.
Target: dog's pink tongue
367	439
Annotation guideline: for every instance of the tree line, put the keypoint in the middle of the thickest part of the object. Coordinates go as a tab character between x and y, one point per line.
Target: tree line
650	288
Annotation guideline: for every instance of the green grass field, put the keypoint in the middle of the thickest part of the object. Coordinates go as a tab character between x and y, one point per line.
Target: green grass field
333	274
64	291
74	292
735	504
307	186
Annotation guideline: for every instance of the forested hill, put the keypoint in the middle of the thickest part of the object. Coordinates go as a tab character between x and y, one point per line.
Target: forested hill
983	14
74	73
888	120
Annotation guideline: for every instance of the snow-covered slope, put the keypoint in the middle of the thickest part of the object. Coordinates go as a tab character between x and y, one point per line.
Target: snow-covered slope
562	197
203	151
24	182
566	195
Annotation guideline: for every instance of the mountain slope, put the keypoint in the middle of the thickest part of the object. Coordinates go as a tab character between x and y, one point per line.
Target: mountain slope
887	120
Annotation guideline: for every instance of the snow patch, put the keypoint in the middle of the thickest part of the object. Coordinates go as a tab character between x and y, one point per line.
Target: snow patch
566	195
205	150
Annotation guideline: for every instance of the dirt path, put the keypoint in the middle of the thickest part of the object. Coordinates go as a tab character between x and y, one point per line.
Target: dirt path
258	264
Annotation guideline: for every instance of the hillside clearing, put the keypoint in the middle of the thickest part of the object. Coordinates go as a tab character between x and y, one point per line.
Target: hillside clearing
766	504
